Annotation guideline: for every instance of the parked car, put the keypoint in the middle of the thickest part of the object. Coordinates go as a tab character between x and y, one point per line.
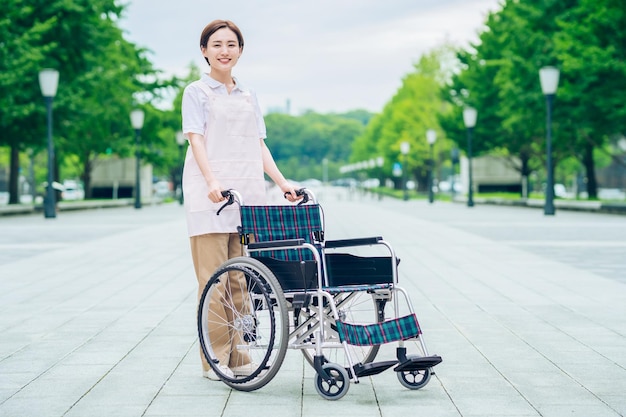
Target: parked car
560	191
162	189
72	190
611	194
345	182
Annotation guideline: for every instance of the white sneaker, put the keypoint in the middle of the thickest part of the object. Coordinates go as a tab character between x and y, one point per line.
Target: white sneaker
213	376
245	370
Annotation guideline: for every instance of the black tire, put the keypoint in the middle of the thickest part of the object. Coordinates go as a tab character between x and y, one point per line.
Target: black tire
259	326
414	379
336	388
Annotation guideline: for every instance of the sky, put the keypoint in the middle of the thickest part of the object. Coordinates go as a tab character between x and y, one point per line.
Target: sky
329	56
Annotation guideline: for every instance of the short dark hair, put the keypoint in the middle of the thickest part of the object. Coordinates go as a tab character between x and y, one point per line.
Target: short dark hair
213	27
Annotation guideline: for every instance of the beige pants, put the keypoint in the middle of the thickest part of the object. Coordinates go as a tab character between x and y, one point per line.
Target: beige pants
208	253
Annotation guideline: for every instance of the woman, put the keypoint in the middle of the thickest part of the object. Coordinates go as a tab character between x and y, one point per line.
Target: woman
224	126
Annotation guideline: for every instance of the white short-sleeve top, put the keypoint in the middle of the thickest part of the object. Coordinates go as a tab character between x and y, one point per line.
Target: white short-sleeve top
195	101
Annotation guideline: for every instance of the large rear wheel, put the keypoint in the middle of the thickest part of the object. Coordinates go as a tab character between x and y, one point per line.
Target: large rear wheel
243	320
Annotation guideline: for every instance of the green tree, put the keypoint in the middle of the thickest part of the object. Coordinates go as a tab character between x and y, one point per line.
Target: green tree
23	52
300	144
499	77
101	75
406	118
591	46
97	118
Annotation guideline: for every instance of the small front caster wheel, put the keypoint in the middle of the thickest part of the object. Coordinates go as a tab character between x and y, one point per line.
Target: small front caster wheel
414	379
337	386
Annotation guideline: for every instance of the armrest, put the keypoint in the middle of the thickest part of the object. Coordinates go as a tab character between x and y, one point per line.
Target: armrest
344	243
276	244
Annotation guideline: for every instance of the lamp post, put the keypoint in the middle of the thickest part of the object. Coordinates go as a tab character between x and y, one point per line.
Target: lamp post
404	150
469	119
48	82
180	140
431	137
549	78
136	120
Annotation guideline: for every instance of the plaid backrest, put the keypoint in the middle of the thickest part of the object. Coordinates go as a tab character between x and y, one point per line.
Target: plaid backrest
269	223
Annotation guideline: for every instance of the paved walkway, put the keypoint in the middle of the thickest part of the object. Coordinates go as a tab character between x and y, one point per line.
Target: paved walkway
97	316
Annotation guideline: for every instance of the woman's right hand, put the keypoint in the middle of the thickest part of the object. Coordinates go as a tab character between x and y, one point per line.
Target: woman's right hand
215	192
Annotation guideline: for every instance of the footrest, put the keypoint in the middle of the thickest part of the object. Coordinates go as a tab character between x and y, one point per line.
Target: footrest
372	368
418	363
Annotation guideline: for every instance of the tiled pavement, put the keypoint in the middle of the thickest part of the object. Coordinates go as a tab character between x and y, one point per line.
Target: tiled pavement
97	315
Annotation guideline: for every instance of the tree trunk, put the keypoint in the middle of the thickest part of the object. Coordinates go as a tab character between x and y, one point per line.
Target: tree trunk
86	177
14	175
421	179
590	168
525	171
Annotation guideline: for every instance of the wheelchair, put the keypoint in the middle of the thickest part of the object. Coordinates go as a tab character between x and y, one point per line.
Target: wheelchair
295	290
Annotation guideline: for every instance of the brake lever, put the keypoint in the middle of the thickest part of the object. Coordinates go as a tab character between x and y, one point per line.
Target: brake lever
230	200
305	198
300	192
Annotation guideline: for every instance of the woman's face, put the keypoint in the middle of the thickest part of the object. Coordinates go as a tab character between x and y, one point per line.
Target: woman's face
222	50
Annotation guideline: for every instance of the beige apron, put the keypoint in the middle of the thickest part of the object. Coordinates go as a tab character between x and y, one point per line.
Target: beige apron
233	147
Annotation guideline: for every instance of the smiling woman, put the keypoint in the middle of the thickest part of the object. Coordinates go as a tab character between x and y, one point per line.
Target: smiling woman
226	133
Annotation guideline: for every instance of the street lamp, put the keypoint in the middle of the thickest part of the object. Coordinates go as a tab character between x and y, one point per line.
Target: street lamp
180	140
469	118
404	150
431	137
48	82
549	78
136	120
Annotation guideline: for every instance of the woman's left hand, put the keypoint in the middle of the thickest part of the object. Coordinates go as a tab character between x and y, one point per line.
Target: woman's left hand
290	192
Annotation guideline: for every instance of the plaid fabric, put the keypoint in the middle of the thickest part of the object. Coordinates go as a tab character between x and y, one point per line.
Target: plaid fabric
268	223
402	328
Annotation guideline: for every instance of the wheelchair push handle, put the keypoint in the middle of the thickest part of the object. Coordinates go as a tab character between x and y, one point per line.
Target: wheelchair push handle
307	195
233	196
228	193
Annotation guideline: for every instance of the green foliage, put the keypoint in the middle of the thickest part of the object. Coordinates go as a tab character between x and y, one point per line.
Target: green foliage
586	39
592	48
406	118
103	77
23	52
500	79
299	144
